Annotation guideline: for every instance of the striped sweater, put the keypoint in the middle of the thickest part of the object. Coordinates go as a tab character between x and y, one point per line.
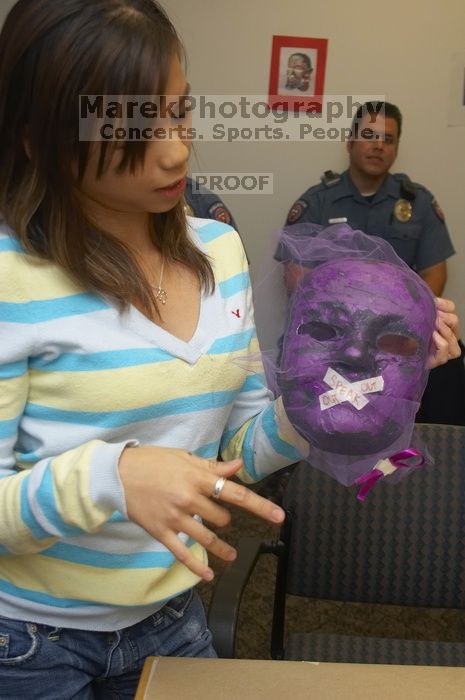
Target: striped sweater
78	382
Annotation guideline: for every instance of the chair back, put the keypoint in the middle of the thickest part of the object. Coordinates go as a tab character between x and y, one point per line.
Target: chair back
404	545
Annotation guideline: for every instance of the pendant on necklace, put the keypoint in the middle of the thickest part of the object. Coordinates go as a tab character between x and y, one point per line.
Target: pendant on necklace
160	295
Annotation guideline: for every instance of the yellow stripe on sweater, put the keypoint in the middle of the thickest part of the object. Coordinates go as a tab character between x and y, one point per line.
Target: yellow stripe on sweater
25	277
123	587
113	390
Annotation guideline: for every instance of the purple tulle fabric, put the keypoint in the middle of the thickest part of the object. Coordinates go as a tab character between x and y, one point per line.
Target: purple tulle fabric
353	360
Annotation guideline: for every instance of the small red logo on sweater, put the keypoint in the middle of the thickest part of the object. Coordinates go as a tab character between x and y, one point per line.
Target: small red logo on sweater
236	313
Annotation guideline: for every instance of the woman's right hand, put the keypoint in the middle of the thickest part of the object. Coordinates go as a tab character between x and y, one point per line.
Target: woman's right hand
165	487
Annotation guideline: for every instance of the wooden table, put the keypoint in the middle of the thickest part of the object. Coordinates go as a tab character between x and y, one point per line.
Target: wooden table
237	679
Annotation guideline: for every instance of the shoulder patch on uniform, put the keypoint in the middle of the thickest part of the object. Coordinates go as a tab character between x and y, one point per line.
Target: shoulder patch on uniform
220	212
437	210
296	211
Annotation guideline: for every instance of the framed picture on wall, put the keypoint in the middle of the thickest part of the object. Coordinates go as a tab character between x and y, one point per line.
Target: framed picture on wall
297	73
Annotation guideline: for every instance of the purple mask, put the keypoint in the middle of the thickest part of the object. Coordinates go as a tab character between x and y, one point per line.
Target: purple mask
354	355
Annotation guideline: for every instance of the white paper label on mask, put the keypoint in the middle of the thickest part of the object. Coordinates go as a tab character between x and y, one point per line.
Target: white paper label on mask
343	390
385	466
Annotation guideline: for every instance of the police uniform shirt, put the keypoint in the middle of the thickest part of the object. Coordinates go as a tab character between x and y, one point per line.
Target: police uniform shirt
402	212
206	205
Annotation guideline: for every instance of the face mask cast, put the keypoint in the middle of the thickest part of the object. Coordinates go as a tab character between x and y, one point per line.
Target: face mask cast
353	364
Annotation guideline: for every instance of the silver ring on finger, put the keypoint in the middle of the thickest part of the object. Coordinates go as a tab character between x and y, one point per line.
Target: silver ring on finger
217	489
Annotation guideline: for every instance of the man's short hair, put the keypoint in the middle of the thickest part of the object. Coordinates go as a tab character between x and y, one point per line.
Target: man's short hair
387	109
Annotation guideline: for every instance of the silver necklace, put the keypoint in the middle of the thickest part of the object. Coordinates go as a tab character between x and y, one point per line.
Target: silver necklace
159	292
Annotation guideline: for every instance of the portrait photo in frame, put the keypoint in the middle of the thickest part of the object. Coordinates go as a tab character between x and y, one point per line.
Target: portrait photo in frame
297	73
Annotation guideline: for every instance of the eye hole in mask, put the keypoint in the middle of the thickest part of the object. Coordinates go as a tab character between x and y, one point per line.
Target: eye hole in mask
398	345
318	330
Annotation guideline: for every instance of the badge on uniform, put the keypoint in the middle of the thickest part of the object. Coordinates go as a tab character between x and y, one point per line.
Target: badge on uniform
219	212
403	210
296	211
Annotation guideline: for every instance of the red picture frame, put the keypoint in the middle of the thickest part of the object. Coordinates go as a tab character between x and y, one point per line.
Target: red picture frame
297	73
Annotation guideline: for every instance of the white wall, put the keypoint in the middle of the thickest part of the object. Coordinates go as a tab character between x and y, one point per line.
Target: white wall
398	49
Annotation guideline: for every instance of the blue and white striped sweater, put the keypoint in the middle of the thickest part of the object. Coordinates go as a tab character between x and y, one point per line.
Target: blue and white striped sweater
78	382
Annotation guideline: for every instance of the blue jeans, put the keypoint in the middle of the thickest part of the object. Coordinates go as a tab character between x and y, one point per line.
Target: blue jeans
39	662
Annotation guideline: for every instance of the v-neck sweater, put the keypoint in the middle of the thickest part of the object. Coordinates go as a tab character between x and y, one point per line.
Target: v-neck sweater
79	381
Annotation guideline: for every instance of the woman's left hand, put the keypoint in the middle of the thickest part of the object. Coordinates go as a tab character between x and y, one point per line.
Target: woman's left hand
445	337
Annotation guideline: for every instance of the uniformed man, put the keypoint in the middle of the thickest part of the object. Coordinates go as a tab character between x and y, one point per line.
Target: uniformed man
368	197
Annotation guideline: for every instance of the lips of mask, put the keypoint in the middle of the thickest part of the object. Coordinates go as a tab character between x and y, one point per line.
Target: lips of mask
362	320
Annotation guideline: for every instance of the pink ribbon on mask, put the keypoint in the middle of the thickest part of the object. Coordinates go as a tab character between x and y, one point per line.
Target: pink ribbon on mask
398	460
